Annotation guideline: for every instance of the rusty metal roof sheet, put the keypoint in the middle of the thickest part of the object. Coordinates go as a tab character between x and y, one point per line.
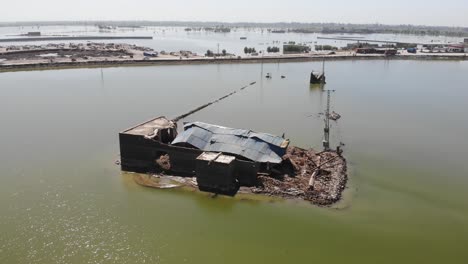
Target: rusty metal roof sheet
260	147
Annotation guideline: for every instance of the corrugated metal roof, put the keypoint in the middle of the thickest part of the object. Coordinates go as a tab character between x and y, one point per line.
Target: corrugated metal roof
254	146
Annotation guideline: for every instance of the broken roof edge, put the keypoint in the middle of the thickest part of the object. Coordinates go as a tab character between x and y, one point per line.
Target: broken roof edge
146	122
273	160
203	123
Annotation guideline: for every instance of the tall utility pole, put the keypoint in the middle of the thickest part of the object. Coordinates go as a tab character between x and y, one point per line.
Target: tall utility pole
262	51
218	48
326	130
323	67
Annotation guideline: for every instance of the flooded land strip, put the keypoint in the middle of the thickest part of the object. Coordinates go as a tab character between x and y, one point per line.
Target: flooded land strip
114	55
62	38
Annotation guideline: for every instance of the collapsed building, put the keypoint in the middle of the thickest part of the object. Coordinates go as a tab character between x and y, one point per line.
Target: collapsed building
222	159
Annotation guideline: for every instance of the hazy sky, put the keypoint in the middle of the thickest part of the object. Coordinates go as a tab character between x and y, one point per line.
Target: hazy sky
428	12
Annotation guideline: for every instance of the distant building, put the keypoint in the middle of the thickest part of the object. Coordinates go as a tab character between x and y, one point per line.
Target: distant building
361	45
385	51
466	41
34	34
455	48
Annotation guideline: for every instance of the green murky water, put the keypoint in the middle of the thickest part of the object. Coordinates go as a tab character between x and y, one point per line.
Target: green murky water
62	199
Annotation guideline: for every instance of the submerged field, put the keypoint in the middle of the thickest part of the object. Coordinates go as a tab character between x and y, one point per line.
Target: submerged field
63	200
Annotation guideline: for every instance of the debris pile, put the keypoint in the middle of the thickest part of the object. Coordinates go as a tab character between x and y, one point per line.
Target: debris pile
164	162
334	116
316	177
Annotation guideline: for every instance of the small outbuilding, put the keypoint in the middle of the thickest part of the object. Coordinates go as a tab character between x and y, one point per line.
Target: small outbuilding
215	173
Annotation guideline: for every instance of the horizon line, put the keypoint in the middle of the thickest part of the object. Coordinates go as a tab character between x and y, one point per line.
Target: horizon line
225	22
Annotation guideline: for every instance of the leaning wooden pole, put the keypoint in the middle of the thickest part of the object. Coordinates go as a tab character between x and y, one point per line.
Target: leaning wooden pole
210	103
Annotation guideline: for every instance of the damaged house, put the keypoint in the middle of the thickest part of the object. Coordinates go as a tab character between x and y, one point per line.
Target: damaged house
222	159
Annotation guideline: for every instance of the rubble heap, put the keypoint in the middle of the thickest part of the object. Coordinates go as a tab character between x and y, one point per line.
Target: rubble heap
326	186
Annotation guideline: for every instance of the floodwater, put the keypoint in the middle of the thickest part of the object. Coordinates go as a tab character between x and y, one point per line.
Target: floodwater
63	200
177	39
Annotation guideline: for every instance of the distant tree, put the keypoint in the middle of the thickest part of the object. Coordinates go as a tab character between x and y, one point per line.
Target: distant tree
248	50
325	47
209	53
224	52
273	49
292	48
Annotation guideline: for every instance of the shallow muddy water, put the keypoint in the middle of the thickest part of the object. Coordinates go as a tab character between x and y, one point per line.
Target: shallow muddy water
404	123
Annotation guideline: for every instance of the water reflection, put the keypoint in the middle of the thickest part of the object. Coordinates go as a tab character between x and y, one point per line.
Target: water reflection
316	86
214	203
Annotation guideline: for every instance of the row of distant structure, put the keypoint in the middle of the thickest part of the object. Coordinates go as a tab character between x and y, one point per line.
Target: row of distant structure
361	46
